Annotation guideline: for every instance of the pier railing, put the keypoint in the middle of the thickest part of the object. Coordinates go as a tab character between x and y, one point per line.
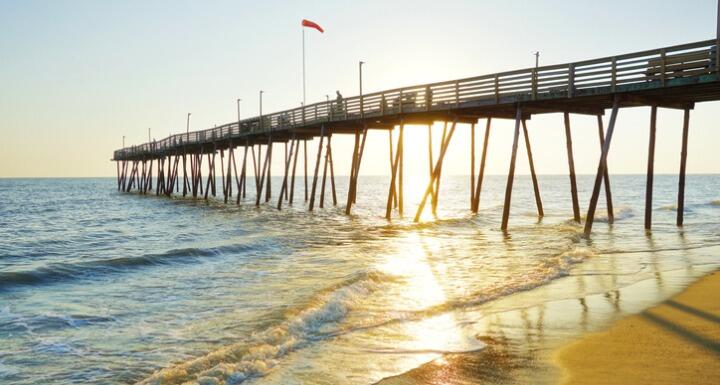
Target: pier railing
640	70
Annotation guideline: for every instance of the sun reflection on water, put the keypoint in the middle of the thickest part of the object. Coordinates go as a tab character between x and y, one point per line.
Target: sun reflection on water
429	336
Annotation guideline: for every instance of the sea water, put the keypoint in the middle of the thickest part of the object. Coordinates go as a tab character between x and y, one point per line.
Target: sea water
103	287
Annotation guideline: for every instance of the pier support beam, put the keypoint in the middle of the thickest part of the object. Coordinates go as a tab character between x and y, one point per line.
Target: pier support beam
261	180
683	164
393	176
268	192
317	168
571	166
602	166
185	176
240	177
536	187
358	150
325	168
436	190
292	179
606	175
481	173
332	175
472	166
430	160
353	163
243	177
401	177
392	166
256	166
511	172
650	169
306	169
283	189
436	170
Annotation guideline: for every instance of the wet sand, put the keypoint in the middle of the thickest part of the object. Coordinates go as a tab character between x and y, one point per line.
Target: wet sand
675	342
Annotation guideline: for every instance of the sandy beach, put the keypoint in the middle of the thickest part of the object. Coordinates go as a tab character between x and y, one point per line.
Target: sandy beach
675	342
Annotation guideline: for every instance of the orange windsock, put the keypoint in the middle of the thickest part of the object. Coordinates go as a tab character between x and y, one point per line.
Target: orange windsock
311	24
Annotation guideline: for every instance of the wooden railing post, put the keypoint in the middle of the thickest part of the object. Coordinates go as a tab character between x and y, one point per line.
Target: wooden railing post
571	80
497	89
534	82
662	67
400	101
428	98
613	75
457	94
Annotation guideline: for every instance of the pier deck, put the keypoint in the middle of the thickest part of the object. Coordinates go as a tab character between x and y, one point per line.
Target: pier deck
670	77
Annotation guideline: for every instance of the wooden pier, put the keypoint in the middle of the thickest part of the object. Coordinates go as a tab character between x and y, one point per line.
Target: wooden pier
674	77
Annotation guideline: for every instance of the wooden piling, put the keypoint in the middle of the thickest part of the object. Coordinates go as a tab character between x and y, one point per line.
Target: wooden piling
683	164
354	160
244	169
601	168
393	176
222	175
283	189
430	158
306	169
358	150
392	166
256	173
606	175
358	163
287	159
332	174
650	168
317	168
436	171
434	202
401	150
268	191
185	178
536	187
511	172
571	166
472	166
324	175
292	183
261	182
481	173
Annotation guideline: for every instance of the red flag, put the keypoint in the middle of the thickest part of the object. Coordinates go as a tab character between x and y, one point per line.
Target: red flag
308	23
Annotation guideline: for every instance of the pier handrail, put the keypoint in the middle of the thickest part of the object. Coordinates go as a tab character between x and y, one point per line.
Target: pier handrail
650	68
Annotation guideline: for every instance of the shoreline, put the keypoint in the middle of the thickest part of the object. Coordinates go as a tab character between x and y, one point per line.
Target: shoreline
524	350
676	341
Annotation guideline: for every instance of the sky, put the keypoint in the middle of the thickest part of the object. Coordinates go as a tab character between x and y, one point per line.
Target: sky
77	76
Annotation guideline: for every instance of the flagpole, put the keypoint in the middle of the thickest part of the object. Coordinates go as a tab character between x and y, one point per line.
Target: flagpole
303	61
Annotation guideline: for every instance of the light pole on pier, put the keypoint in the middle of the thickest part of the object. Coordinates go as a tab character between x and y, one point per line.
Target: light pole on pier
187	127
149	135
537	59
123	141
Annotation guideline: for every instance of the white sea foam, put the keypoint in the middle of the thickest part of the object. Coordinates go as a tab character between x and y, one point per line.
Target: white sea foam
236	363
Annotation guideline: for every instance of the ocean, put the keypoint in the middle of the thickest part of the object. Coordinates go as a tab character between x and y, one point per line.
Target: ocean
103	287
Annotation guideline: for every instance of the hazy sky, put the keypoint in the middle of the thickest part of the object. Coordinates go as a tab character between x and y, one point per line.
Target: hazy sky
75	76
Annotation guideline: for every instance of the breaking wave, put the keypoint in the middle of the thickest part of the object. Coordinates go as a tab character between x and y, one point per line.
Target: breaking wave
238	362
